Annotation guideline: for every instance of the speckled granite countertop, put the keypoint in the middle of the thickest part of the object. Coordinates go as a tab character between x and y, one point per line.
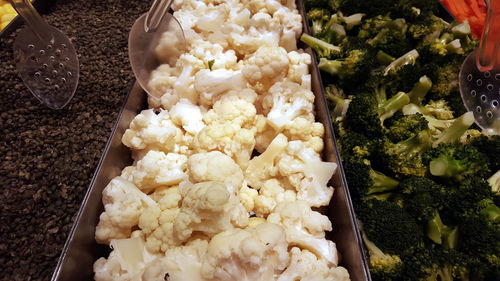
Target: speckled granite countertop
48	157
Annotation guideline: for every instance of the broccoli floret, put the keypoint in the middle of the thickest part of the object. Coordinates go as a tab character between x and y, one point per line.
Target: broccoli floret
383	219
427	28
322	48
489	146
317	18
353	67
446	81
401	127
367	112
480	236
382	266
364	182
422	197
340	103
405	157
454	162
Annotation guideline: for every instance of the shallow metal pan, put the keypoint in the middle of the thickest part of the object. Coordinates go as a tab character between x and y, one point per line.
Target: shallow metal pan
81	250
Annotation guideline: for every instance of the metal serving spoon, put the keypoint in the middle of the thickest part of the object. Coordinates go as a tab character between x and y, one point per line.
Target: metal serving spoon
145	36
46	59
479	78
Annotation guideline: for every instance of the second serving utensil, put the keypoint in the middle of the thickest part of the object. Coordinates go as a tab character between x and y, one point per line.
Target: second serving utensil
46	59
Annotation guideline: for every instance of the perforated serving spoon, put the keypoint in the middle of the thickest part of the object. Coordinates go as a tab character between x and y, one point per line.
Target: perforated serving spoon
144	37
46	59
479	78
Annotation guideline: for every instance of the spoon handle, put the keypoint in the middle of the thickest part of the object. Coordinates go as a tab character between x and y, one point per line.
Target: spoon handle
490	39
155	14
32	19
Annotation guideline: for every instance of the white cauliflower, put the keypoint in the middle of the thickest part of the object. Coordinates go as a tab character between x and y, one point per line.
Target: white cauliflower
287	101
179	263
233	109
161	81
228	138
268	65
252	254
247	197
270	194
211	84
305	171
126	262
305	229
259	31
212	19
209	208
305	266
150	131
264	166
298	70
157	169
170	47
188	116
310	133
291	21
123	204
264	134
157	221
215	166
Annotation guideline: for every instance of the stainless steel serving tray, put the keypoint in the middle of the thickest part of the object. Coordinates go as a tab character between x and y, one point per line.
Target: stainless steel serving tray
81	250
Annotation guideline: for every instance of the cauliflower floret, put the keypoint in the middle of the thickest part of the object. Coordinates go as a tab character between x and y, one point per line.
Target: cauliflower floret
188	116
305	266
156	169
259	31
265	67
228	138
252	254
291	21
247	197
210	84
233	109
206	51
305	171
305	228
162	81
270	194
215	166
209	208
123	204
212	19
126	262
157	221
311	133
179	263
287	101
264	134
170	47
150	131
264	166
298	70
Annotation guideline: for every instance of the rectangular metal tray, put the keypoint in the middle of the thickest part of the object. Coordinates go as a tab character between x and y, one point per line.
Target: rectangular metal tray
81	250
42	6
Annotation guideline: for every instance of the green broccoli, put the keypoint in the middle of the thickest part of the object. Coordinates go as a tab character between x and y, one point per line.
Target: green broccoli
364	182
340	102
489	146
317	18
401	127
440	233
382	266
494	182
407	59
427	28
322	48
422	197
367	112
383	219
356	64
456	161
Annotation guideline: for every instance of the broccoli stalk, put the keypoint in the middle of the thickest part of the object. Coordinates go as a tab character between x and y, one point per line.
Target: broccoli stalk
382	266
387	108
340	102
459	126
442	234
494	182
322	48
408	58
384	58
421	88
458	161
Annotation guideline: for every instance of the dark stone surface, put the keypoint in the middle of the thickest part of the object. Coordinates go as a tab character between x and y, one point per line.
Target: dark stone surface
48	157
